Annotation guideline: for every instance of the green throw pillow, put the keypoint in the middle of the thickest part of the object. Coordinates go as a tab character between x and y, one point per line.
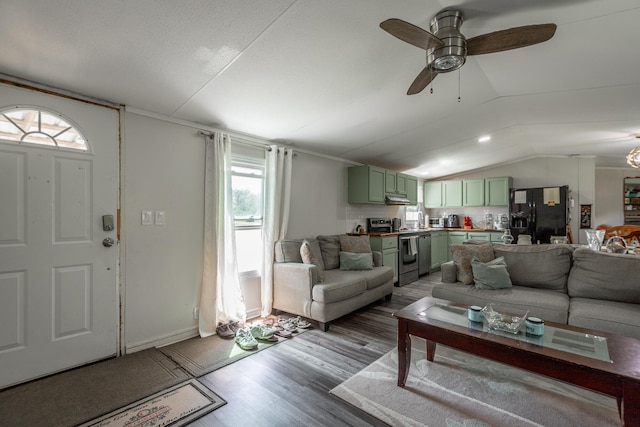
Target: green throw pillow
356	261
490	275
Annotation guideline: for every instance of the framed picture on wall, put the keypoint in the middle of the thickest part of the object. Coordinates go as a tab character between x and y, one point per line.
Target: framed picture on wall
585	216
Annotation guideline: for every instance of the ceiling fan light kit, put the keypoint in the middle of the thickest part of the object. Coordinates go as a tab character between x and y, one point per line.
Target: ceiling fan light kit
447	48
446	26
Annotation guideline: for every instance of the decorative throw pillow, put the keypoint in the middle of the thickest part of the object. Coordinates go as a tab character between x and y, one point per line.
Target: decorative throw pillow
490	275
330	249
311	255
356	261
462	256
357	244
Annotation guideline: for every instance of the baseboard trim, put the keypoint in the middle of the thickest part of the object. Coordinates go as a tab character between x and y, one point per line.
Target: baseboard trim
164	340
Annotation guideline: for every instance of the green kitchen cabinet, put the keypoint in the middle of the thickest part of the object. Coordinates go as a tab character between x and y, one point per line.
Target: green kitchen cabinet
496	190
395	183
412	189
479	235
388	245
366	184
452	194
432	194
439	249
497	236
473	192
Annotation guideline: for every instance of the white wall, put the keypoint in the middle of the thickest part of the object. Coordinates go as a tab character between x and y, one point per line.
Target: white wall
163	170
609	194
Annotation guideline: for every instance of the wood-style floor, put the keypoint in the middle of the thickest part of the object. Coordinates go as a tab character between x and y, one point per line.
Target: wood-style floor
288	384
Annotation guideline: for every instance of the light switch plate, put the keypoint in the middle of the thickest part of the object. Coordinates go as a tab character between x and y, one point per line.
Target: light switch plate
147	218
159	217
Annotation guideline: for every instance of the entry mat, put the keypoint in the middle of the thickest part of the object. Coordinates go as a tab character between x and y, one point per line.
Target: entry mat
175	406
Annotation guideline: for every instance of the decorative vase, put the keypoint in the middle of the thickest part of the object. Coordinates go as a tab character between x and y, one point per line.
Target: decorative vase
594	239
507	238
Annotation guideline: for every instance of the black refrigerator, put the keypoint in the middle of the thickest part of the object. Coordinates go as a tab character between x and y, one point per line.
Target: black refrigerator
539	212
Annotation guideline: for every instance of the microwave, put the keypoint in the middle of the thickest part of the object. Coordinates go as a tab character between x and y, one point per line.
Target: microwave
436	222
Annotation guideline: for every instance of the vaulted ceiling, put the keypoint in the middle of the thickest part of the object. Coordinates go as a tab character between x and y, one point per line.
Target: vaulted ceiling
322	76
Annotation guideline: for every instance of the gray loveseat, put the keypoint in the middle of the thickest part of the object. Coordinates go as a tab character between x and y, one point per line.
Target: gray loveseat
298	290
559	283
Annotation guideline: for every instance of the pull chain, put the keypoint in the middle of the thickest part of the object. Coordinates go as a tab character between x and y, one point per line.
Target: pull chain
431	82
458	84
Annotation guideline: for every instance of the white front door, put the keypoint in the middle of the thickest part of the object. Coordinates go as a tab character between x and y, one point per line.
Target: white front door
58	282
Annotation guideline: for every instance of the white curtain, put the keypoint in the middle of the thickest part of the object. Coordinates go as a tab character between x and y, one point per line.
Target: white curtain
277	199
220	296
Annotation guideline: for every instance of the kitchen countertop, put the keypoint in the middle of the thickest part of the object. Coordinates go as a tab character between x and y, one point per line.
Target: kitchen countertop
429	230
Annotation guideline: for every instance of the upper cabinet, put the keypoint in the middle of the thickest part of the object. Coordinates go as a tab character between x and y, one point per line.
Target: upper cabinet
473	192
412	189
451	194
468	192
366	184
370	184
432	194
496	191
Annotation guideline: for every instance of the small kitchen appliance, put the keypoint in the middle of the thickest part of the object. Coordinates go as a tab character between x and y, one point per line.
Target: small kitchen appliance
452	221
436	222
396	223
502	222
379	225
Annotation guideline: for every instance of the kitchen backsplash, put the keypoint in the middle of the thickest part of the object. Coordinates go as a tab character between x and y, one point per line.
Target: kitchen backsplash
357	214
477	214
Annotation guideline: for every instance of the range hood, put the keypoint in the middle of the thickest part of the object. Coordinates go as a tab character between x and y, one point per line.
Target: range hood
396	200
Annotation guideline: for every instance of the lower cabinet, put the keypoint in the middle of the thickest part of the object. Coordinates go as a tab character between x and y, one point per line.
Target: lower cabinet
388	245
439	249
477	235
497	236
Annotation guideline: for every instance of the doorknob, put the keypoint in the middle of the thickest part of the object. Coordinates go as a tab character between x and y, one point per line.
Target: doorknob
108	242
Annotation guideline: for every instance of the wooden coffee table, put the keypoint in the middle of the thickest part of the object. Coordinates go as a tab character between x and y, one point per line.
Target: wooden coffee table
613	369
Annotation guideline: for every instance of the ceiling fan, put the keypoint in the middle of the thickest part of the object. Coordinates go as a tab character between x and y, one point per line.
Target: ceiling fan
447	48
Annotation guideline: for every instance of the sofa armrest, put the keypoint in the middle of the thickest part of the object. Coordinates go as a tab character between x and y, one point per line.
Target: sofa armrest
377	258
292	287
449	274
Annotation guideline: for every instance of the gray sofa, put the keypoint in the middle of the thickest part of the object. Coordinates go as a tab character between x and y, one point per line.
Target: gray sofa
297	290
559	283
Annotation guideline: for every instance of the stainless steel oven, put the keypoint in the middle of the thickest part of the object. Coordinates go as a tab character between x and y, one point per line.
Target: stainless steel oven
407	259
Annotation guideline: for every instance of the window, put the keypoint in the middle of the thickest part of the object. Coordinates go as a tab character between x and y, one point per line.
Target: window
40	127
247	182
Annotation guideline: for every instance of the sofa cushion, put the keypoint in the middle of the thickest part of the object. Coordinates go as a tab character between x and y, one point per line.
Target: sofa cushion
330	248
360	244
604	276
310	254
537	266
608	316
339	285
288	251
490	275
378	276
356	261
462	256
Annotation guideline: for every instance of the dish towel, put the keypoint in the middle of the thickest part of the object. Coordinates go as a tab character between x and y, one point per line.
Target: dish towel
413	245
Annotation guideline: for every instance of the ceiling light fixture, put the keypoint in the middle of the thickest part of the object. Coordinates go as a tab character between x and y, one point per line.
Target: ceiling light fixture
633	158
485	138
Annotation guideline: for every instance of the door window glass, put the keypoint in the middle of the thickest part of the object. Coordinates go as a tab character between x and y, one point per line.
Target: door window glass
40	127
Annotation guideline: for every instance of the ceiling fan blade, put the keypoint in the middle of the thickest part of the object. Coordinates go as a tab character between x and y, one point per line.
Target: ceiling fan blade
512	38
424	78
411	34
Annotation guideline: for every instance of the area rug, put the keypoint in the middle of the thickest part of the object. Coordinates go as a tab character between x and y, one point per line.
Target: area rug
459	389
82	394
175	406
199	356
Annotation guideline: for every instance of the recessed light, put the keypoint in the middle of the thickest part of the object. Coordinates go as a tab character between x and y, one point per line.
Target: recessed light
484	138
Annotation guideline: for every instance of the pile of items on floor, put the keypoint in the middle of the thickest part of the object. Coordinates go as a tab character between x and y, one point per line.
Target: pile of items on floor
265	330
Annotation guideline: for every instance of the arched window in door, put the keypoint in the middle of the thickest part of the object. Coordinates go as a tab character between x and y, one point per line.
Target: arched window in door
34	125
